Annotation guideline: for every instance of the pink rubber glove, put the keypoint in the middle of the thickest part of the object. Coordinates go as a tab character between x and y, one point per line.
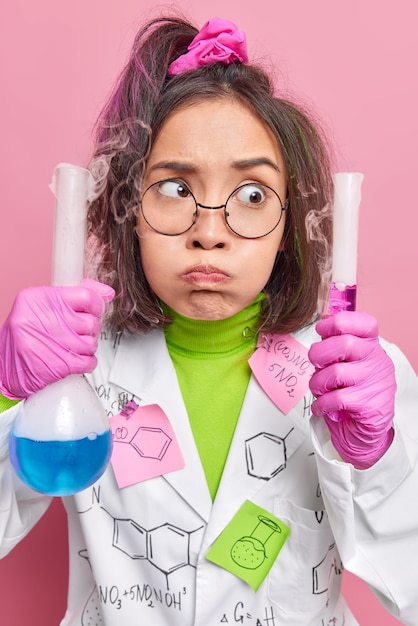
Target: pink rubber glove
51	332
355	386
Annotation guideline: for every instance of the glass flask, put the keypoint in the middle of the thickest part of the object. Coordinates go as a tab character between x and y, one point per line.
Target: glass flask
61	440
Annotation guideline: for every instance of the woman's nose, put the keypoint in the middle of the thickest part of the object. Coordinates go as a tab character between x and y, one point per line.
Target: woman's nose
210	229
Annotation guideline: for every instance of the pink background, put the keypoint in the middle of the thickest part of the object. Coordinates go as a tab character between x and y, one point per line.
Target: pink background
354	61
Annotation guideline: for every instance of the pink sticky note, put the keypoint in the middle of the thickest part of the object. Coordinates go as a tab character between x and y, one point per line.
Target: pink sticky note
282	368
144	445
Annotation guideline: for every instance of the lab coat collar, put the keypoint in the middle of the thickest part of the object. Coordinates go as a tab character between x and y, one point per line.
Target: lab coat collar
143	367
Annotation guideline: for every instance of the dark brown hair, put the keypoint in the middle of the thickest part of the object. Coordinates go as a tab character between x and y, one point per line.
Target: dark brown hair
143	98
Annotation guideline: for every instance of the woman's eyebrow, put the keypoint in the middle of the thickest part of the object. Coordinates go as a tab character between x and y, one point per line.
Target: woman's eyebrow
179	166
243	164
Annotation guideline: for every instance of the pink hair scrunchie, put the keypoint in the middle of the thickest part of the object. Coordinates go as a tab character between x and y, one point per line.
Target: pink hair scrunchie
218	41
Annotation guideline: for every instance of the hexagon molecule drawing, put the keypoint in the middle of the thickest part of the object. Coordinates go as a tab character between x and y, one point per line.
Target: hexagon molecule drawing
321	573
151	443
265	454
166	547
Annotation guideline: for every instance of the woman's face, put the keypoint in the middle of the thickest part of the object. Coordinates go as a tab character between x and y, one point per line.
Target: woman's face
209	272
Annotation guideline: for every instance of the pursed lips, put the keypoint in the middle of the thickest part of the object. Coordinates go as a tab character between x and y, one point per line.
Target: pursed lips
205	274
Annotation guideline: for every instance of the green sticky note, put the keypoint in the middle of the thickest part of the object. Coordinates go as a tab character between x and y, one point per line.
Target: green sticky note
249	544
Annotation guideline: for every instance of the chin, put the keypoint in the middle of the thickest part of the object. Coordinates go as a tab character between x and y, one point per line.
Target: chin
209	306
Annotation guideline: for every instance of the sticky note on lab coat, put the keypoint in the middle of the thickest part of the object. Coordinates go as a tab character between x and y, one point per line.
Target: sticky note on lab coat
249	544
282	368
144	445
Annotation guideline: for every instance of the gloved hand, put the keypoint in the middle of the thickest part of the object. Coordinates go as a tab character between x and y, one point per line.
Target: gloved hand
51	332
354	384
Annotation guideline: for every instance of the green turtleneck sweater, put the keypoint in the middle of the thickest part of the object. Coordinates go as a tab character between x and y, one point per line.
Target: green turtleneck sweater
5	403
211	363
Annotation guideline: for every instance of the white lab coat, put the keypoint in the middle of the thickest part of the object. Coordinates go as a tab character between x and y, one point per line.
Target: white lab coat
137	554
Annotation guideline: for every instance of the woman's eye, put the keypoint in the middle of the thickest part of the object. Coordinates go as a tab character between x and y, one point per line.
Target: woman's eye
173	189
251	194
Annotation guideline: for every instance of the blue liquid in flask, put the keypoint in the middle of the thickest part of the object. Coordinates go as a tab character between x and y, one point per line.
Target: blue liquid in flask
61	440
60	468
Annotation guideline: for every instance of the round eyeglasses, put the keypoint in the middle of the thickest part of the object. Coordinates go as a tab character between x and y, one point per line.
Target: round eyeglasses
252	210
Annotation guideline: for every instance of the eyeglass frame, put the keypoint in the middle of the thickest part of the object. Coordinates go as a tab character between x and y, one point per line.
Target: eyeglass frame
284	207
